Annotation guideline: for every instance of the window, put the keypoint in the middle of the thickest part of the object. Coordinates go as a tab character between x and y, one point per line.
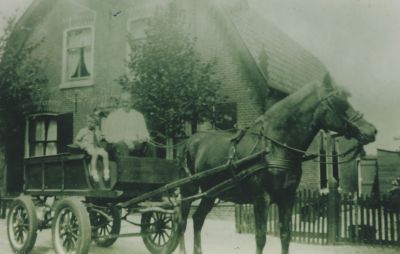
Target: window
335	160
43	137
225	116
136	33
78	57
48	134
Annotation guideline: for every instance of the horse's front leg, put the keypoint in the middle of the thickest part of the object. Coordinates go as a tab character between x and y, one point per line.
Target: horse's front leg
261	206
199	217
285	206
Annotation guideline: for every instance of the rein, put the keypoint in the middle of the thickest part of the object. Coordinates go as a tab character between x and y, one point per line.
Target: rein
309	156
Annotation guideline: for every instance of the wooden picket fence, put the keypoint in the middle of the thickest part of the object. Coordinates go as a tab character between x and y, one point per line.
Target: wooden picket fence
368	220
332	218
309	218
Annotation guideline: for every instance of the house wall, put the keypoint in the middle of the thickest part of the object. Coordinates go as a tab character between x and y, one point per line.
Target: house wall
367	175
388	169
348	178
216	41
311	176
347	171
110	52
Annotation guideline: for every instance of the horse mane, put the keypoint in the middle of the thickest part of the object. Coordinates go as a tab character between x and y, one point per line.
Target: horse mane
289	103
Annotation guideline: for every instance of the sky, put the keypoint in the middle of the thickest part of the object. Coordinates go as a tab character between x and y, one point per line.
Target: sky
359	43
9	8
357	40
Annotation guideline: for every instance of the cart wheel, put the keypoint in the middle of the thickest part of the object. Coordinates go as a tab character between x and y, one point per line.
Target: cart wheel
159	231
101	226
71	232
22	225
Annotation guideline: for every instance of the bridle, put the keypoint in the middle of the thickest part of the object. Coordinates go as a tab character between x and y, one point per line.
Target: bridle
326	102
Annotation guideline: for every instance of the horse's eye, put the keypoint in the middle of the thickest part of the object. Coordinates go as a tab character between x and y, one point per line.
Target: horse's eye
340	104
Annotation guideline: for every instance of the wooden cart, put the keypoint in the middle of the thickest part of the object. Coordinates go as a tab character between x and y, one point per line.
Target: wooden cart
59	194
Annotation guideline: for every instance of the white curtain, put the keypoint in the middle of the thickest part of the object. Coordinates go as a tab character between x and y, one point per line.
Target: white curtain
52	131
39	149
39	136
77	39
51	147
40	130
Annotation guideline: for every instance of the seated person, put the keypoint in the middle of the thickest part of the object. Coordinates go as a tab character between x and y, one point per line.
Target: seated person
125	128
88	139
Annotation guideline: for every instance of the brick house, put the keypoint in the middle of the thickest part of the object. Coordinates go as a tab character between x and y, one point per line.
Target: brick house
85	46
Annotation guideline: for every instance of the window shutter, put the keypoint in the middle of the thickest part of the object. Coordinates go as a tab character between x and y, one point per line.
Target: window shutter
65	131
32	136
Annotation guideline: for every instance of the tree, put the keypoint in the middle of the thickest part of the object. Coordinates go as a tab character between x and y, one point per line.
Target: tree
23	90
169	82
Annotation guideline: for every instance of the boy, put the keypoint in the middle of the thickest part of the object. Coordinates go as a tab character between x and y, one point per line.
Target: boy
88	139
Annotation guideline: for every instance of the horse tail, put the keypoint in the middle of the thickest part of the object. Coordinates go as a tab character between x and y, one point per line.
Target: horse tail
186	164
184	159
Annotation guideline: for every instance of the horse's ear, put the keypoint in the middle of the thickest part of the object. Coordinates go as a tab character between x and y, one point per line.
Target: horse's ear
327	81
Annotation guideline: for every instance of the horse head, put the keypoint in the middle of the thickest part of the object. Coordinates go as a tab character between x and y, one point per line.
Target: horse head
336	114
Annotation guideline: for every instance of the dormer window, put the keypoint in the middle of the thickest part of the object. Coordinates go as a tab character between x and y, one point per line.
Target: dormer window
78	57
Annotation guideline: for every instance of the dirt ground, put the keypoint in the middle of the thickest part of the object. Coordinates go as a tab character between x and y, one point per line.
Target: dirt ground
219	237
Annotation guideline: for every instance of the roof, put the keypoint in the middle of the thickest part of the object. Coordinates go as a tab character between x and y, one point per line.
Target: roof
290	66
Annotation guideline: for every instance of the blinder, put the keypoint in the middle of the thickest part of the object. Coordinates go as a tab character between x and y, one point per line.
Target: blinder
348	119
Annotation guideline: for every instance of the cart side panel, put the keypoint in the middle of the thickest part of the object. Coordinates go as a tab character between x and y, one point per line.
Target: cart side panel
74	176
57	172
146	170
33	176
52	175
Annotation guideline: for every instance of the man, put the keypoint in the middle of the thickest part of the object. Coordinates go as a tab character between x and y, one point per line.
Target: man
125	128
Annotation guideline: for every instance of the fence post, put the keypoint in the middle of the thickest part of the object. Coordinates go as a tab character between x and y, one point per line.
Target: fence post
333	211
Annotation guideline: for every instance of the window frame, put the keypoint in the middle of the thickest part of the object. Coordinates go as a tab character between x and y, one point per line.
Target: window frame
78	82
128	35
219	108
63	133
31	142
323	169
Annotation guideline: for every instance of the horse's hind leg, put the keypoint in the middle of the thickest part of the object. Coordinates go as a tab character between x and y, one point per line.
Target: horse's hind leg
285	206
184	213
261	206
199	217
186	191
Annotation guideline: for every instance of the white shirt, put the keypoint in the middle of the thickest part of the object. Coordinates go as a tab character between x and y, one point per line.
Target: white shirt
125	126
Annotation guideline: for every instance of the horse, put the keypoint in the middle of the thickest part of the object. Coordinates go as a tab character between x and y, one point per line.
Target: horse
286	130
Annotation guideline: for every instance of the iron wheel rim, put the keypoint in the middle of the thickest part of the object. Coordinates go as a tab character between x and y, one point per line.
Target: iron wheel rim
160	229
67	231
103	227
19	226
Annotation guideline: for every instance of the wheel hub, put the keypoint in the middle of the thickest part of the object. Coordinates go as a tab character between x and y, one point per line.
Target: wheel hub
159	225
